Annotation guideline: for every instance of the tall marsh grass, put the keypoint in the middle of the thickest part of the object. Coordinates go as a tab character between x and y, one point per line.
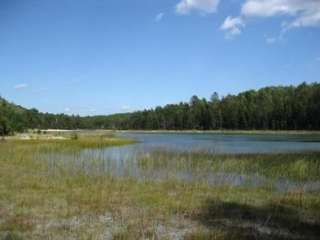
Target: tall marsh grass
292	166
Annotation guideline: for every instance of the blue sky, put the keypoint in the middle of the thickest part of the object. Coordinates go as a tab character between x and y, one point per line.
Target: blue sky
105	56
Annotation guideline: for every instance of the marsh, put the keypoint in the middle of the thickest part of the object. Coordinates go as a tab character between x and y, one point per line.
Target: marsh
160	186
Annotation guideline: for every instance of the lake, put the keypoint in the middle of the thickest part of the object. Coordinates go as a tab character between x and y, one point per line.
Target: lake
222	143
151	159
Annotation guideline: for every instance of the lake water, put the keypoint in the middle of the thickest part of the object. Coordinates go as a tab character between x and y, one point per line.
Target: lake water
223	143
125	161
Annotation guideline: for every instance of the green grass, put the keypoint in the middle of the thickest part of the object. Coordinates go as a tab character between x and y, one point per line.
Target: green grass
37	204
71	144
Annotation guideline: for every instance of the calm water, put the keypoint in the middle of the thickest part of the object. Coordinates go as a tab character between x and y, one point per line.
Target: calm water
223	143
125	161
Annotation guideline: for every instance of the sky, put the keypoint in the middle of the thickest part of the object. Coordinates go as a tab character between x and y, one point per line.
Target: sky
93	57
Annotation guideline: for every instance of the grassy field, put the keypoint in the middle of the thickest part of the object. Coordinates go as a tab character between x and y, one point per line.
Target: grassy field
38	203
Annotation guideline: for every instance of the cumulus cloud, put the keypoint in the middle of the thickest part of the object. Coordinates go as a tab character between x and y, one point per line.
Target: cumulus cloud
301	13
304	12
204	6
159	17
233	26
20	86
307	20
267	8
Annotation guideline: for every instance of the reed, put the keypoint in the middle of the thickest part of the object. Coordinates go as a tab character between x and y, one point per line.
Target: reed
303	166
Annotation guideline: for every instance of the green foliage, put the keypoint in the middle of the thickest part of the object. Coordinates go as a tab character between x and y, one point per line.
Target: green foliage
271	108
4	126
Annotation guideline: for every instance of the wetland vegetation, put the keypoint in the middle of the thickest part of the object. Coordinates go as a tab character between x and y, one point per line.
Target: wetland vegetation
43	198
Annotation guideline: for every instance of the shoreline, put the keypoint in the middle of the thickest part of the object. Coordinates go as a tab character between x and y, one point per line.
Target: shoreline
308	132
253	132
62	134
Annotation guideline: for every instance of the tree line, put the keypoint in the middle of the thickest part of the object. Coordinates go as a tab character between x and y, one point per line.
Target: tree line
270	108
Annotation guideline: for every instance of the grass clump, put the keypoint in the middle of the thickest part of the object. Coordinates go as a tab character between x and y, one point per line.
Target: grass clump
74	143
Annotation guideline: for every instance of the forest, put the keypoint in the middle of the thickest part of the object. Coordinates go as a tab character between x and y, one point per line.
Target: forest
269	108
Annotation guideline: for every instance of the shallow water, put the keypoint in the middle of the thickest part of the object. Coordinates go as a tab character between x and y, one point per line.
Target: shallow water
224	143
125	161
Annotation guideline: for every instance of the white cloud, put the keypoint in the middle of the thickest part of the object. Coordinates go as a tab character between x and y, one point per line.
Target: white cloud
20	86
300	13
307	20
159	17
267	8
305	13
233	26
204	6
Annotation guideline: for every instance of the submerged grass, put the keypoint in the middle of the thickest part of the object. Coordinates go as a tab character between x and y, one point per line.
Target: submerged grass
36	204
291	166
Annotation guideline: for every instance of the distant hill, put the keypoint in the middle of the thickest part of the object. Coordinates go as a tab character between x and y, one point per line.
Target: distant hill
270	108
